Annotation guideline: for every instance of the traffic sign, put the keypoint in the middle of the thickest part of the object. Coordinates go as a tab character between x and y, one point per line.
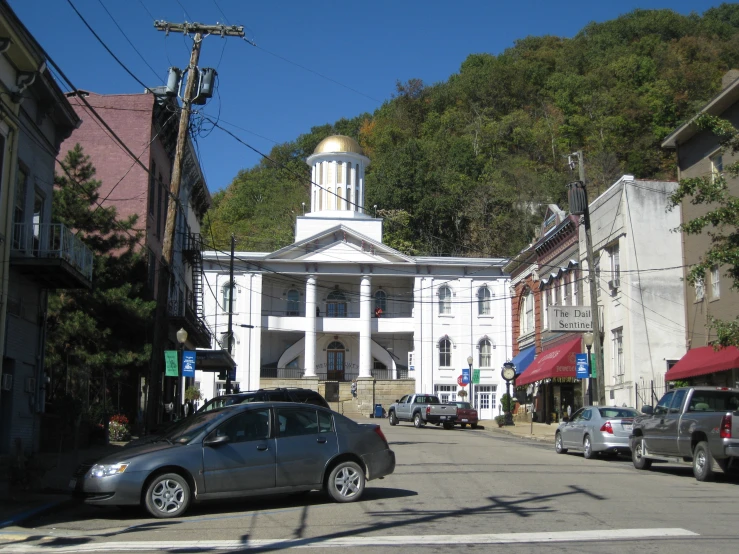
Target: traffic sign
460	381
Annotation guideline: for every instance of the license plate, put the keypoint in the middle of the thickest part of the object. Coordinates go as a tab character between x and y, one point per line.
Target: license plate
464	420
72	483
443	417
628	427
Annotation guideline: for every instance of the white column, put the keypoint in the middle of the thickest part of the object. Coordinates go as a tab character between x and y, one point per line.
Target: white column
365	327
310	327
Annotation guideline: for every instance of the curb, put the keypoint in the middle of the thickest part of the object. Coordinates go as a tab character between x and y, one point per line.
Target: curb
20	517
502	431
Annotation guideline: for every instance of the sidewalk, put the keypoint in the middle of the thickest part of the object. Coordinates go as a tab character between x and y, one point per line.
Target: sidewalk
533	431
49	482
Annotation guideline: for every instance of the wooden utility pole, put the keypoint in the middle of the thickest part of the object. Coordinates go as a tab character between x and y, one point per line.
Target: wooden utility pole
231	291
161	325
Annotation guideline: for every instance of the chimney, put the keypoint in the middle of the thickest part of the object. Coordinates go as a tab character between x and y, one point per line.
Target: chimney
728	78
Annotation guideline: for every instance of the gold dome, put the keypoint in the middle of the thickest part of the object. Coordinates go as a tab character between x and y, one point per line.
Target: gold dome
338	143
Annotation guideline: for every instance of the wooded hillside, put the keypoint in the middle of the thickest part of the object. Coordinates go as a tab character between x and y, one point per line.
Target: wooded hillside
466	167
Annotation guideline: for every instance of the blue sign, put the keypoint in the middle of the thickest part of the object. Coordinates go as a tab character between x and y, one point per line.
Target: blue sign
188	363
581	362
466	375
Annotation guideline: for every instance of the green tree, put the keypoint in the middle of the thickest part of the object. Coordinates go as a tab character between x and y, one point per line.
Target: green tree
97	337
720	221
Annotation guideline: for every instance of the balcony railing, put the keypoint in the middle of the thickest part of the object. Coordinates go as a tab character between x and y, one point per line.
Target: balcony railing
323	374
196	327
53	241
300	312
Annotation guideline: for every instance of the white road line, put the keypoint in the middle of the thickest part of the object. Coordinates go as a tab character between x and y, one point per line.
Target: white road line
356	542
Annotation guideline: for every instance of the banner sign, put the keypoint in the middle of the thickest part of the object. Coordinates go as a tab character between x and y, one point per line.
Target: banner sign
170	363
593	369
475	376
188	363
466	375
581	363
572	319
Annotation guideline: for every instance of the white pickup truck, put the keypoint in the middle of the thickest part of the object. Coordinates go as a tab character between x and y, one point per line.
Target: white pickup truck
699	425
422	409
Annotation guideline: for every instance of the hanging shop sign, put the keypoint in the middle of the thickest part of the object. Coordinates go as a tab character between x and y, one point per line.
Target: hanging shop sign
574	319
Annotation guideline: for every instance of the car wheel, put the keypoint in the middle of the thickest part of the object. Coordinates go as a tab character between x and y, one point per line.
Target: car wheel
702	462
168	495
587	448
393	419
558	444
417	421
448	425
463	425
345	482
637	456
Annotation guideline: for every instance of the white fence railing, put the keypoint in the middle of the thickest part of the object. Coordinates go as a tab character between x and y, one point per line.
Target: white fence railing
52	240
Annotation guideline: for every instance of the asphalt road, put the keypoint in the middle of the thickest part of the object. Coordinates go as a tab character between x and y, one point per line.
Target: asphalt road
452	490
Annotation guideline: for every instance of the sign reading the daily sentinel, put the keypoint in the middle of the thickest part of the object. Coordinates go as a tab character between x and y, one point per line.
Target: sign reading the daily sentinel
576	319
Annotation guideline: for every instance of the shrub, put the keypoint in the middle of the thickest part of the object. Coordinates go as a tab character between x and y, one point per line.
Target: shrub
118	428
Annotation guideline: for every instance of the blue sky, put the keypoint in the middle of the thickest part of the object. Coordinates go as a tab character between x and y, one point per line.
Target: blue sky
274	92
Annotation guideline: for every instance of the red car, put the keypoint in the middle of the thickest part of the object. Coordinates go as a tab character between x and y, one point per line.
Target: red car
466	414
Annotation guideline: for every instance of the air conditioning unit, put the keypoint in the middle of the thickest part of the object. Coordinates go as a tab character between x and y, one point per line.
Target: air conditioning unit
30	384
7	383
613	285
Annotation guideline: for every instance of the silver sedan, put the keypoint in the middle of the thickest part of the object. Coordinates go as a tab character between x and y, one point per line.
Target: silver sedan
242	450
596	429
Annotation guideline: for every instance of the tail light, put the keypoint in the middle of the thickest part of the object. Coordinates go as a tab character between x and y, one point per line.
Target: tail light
607	428
380	434
726	427
428	410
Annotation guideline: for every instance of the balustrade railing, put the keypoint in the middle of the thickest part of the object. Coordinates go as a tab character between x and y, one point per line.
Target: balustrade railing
50	241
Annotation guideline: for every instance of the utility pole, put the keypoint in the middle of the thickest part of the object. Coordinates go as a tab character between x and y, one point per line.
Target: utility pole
231	291
161	325
579	205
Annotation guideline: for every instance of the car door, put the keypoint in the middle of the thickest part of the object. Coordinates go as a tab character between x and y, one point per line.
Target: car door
306	441
567	429
247	461
403	407
579	426
653	427
668	424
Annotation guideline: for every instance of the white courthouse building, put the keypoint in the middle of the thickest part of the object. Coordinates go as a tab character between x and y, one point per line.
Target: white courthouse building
309	313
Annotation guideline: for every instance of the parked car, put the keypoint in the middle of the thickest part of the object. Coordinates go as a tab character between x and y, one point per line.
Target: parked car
422	409
596	429
466	415
243	450
699	425
302	396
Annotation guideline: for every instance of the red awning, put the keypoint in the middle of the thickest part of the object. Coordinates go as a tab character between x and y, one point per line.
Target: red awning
552	363
702	361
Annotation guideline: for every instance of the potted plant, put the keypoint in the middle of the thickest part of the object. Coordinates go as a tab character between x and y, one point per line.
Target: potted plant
192	394
462	393
500	420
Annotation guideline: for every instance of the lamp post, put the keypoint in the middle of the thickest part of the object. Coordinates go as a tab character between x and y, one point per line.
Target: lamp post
469	363
508	374
182	339
588	339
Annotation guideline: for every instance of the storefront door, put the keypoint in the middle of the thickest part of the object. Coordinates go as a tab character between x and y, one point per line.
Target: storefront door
485	401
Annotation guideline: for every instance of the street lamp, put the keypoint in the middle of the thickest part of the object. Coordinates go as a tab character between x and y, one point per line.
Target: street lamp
182	339
588	339
508	374
469	363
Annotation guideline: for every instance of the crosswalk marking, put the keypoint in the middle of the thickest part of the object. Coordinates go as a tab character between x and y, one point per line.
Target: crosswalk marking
353	541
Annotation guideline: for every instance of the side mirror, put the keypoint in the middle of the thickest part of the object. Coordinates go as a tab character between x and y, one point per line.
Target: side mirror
566	419
396	400
647	410
216	441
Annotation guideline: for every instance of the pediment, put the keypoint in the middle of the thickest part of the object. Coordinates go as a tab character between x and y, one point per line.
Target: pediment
340	245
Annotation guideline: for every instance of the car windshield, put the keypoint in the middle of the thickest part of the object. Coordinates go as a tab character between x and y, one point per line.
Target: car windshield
464	405
616	413
190	427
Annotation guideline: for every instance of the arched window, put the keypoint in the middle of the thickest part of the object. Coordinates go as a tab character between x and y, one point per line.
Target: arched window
486	352
381	301
336	304
526	313
349	205
483	301
445	353
335	354
339	172
226	292
339	198
445	300
293	302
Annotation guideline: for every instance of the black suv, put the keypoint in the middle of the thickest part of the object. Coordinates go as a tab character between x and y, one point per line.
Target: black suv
301	396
